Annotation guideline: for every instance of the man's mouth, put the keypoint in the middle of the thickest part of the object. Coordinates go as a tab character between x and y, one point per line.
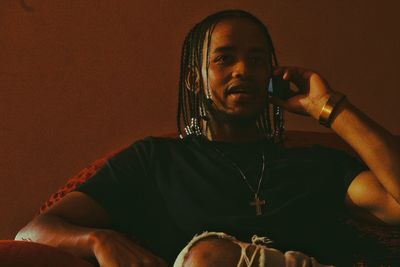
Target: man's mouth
240	90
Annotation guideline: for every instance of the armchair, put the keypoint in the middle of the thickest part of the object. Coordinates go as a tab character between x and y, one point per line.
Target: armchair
20	253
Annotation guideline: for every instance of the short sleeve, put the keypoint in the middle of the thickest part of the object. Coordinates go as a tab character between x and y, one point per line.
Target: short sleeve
342	165
117	186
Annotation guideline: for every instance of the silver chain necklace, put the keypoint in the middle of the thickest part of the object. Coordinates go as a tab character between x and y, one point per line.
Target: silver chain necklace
257	201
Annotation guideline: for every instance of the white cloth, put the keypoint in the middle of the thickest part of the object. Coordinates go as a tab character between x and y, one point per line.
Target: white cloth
268	257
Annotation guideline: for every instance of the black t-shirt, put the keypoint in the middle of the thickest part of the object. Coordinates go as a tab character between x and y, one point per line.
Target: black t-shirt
163	191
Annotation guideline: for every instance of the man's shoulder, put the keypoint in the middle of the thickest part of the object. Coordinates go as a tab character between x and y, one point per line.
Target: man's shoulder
154	145
151	140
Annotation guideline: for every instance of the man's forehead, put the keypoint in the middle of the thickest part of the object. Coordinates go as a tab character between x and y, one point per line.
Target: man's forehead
231	48
233	33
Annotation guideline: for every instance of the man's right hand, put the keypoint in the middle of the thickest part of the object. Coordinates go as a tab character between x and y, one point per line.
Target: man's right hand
113	249
79	225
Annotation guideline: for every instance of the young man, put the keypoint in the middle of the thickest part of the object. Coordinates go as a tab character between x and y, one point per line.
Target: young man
229	173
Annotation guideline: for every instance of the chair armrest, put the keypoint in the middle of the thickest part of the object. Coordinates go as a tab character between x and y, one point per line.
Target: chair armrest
21	253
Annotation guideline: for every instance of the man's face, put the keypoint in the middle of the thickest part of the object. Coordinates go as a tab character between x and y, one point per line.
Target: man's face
239	69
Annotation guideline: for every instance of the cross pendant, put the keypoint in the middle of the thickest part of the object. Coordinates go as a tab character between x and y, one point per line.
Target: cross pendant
257	203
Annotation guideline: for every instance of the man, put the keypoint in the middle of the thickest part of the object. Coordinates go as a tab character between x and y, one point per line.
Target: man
229	173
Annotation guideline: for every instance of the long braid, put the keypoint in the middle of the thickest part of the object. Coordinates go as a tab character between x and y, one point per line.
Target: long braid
192	93
277	111
181	111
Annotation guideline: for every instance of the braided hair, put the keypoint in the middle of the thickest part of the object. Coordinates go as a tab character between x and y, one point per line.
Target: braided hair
192	97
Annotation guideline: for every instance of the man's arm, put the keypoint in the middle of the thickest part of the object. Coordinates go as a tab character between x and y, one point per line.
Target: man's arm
78	225
70	225
376	191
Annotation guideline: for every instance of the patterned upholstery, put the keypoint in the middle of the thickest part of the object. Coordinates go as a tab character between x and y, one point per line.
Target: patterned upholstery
385	238
76	180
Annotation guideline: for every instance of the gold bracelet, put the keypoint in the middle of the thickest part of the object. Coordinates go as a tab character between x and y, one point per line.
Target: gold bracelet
326	115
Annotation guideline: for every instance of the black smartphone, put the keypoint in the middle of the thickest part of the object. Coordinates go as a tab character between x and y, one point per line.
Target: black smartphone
280	88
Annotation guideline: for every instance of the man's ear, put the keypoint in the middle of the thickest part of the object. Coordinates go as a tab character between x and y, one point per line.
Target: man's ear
192	80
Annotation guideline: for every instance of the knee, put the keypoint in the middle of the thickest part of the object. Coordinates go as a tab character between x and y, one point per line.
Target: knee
213	252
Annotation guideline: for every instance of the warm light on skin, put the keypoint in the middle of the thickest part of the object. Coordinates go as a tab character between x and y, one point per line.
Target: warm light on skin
238	55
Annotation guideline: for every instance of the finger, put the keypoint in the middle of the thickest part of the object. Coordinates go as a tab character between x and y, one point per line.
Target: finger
146	254
298	76
286	71
120	260
147	258
132	255
150	262
154	262
132	245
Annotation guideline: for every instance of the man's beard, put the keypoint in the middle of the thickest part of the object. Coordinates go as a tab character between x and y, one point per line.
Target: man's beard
218	116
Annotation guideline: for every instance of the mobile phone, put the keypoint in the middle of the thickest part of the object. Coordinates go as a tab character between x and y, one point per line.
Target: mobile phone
280	88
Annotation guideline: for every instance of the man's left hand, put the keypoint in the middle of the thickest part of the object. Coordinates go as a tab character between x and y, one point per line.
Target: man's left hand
312	94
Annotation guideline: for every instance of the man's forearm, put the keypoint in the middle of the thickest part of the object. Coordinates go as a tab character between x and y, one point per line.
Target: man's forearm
55	232
375	145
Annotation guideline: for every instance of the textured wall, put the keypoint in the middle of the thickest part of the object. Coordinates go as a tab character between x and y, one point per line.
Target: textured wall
79	78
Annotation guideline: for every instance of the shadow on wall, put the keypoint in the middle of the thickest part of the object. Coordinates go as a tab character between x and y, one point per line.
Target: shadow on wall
26	6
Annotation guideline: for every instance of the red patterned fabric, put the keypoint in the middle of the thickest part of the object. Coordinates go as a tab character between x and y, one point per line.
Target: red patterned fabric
76	180
30	254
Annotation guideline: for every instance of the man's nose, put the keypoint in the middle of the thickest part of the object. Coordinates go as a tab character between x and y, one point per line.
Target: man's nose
241	69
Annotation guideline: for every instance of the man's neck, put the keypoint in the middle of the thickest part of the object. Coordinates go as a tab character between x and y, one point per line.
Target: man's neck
233	133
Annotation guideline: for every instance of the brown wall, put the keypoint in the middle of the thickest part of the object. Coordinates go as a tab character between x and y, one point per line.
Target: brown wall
79	78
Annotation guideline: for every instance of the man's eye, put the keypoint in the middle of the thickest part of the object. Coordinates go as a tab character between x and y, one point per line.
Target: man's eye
223	59
258	60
